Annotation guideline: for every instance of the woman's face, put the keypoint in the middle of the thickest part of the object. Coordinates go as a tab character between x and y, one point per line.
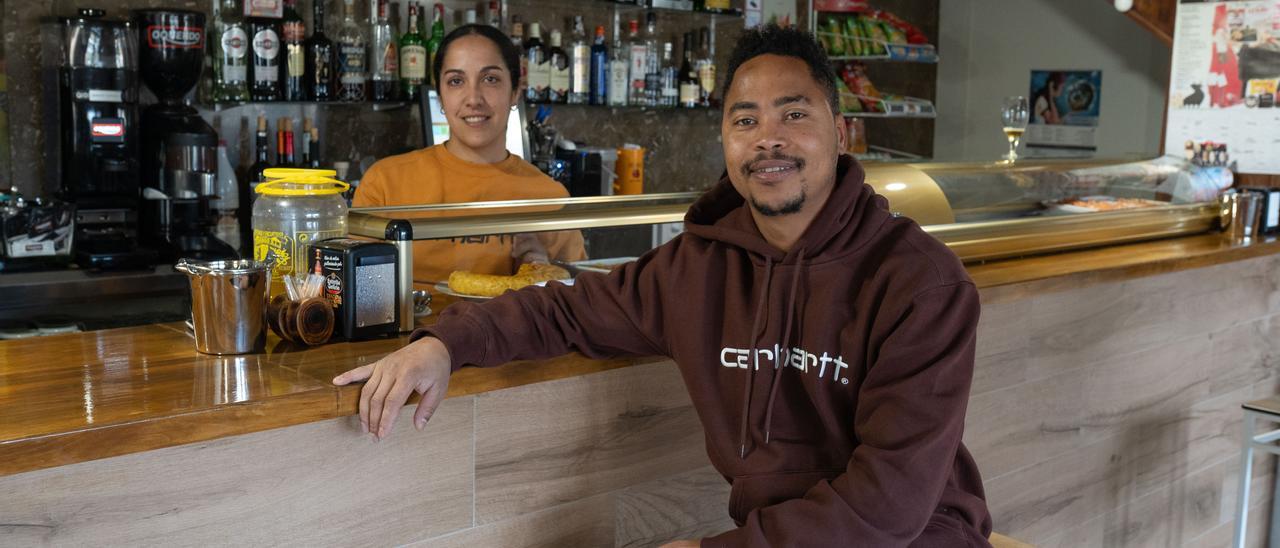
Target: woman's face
476	94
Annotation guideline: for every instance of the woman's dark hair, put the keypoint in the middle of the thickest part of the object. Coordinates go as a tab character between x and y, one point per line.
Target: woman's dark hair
510	53
788	42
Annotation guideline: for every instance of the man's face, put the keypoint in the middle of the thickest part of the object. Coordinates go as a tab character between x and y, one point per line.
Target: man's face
781	140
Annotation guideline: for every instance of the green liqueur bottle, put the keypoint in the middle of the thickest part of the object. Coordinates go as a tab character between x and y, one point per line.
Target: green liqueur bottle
413	57
437	36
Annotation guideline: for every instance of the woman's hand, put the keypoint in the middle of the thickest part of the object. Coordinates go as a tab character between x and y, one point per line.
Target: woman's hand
421	367
529	249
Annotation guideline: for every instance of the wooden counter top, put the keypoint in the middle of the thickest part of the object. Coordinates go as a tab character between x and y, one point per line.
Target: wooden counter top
84	396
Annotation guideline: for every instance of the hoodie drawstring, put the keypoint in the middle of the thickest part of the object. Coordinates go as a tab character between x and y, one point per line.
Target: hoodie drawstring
755	358
786	343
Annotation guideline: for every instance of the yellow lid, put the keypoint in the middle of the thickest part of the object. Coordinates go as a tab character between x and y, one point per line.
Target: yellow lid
285	172
302	186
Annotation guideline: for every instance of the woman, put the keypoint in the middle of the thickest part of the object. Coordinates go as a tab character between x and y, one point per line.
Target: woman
1045	103
477	68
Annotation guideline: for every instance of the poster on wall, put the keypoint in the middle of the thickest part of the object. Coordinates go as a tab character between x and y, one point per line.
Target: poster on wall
1064	113
1222	90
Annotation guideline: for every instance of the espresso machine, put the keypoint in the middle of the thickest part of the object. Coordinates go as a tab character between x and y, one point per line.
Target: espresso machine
90	63
179	149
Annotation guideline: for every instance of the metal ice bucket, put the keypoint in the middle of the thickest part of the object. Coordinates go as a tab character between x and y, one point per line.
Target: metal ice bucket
228	301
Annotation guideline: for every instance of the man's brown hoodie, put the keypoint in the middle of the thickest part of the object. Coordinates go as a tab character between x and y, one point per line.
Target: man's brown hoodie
831	380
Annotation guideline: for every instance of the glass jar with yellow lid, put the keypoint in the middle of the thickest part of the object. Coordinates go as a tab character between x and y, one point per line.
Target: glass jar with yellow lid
294	208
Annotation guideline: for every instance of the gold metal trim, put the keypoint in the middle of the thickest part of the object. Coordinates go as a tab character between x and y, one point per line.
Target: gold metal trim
688	197
1012	238
370	226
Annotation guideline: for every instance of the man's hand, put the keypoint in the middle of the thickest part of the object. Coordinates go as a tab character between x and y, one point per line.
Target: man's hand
421	367
529	249
683	544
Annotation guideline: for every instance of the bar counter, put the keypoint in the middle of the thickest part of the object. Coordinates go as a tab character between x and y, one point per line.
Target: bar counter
68	400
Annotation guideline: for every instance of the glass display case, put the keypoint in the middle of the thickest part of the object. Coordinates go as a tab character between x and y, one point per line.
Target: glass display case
982	211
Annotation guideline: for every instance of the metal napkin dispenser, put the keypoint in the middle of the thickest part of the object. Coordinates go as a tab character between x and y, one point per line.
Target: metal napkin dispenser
360	283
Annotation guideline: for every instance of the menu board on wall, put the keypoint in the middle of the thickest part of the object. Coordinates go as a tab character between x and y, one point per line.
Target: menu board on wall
1222	91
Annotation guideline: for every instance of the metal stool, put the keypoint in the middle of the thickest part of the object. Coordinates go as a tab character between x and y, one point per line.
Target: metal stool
1267	410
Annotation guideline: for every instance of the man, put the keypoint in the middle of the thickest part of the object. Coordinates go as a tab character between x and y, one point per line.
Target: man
827	344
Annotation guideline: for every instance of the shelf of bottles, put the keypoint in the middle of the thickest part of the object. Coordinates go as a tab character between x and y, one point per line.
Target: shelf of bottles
639	71
681	6
273	60
257	60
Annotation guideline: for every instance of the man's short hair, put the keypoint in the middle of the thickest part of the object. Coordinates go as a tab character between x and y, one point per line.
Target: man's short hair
789	42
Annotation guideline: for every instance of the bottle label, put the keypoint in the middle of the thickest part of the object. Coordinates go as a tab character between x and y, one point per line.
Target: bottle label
618	82
234	74
581	69
639	68
413	63
540	76
560	80
351	64
294	31
235	43
266	44
390	60
653	84
322	67
296	60
707	77
689	93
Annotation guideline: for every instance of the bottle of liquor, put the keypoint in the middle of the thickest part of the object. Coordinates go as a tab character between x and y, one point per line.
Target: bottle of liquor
352	53
280	129
384	55
539	66
305	142
690	89
599	81
619	76
560	71
517	38
231	54
636	61
494	15
290	159
266	58
652	62
249	185
314	148
670	77
293	34
706	67
433	44
579	65
320	59
413	57
226	208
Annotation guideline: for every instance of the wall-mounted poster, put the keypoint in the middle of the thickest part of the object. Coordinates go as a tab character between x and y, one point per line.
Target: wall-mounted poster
1064	113
1222	96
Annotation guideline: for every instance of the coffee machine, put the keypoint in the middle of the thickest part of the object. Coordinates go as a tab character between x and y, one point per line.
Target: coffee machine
179	149
91	65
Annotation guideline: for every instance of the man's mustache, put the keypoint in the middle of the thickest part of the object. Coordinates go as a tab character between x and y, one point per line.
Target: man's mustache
746	166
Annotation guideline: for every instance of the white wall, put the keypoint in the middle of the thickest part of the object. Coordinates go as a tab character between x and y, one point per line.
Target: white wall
989	47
